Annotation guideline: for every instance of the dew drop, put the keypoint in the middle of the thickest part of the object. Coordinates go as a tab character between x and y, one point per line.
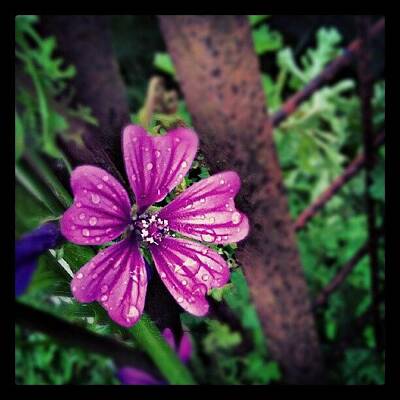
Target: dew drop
221	181
94	276
99	186
104	288
104	297
97	238
92	221
163	275
177	140
79	276
184	164
180	176
149	166
74	288
133	312
207	237
158	153
235	217
184	282
73	227
202	200
82	216
211	220
180	299
205	251
205	277
79	204
115	208
85	232
105	178
95	198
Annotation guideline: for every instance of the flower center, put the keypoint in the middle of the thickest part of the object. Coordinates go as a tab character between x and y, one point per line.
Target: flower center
149	228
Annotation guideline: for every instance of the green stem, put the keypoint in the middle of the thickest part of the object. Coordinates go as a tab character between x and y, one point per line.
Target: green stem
49	178
149	338
37	190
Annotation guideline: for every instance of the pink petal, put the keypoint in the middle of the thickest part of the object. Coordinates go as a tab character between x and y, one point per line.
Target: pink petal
189	270
156	164
116	277
101	208
206	211
185	347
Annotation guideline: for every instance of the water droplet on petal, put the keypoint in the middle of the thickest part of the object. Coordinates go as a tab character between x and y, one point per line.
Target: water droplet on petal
235	217
149	166
82	216
73	227
105	178
79	204
158	153
179	299
205	251
104	288
177	140
85	232
79	276
202	200
115	208
99	186
133	312
97	238
184	282
92	221
211	220
184	164
163	275
221	181
95	198
74	288
104	297
180	176
207	237
205	277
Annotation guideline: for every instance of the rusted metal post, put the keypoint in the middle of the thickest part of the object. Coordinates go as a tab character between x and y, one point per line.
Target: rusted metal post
218	71
365	88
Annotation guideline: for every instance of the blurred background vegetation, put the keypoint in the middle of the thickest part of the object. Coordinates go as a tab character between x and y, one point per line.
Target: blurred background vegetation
314	145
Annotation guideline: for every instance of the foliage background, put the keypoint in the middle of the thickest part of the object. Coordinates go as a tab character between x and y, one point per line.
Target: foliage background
314	146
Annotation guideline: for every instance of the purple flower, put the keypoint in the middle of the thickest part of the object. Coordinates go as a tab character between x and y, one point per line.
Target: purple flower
27	250
135	376
101	212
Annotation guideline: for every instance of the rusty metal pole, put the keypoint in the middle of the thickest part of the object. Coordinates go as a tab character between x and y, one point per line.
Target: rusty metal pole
218	72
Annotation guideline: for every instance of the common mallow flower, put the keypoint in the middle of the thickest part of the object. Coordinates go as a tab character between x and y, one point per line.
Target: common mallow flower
101	212
135	376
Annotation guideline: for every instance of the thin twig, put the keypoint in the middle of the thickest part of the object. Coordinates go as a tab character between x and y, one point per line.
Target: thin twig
352	169
291	105
344	271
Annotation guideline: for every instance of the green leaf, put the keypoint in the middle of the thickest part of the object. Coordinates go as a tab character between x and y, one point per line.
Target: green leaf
19	137
256	19
266	40
163	62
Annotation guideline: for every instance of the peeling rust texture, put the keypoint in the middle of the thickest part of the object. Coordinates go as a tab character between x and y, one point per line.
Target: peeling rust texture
85	42
218	72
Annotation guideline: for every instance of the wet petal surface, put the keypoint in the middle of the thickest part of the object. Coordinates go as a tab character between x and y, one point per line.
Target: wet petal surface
116	277
156	164
189	270
206	211
101	208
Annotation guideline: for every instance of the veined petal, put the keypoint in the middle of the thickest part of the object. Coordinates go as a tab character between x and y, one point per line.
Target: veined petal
189	270
116	277
156	164
206	211
101	208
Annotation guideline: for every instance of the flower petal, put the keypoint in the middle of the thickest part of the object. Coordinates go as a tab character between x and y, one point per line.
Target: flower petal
185	347
116	277
101	208
156	164
206	211
189	270
135	376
